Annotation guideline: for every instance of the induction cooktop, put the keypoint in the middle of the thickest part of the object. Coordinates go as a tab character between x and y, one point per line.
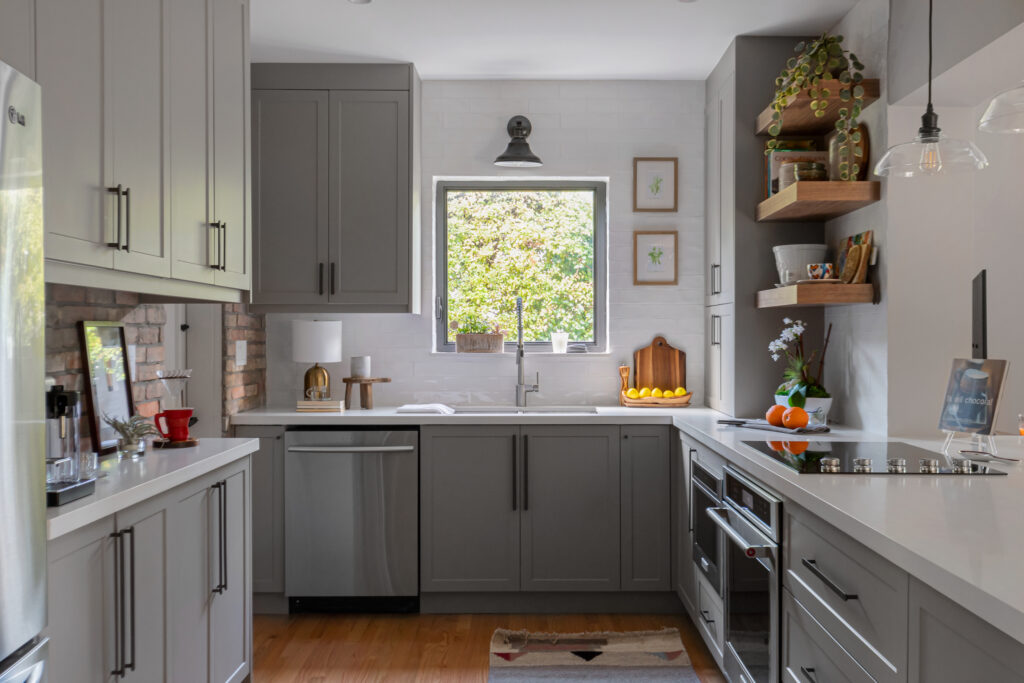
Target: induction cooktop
857	457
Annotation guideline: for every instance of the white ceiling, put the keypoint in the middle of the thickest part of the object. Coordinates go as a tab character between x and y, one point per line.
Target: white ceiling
543	39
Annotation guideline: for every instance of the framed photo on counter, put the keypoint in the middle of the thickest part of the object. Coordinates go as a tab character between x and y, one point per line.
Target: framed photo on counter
108	380
655	257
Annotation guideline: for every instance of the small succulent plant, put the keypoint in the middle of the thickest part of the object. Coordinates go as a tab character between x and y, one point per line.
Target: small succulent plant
132	430
818	61
472	324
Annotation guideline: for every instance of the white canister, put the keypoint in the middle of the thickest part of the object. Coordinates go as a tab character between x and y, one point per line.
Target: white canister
360	366
559	342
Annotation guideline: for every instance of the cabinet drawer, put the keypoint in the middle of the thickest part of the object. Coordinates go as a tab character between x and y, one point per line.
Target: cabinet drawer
809	655
710	619
858	597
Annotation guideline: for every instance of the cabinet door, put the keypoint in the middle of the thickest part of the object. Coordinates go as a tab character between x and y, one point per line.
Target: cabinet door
134	115
469	509
570	517
720	374
712	198
231	608
190	580
17	33
948	643
646	487
194	240
69	66
727	189
290	188
231	140
268	515
144	532
370	218
80	604
682	537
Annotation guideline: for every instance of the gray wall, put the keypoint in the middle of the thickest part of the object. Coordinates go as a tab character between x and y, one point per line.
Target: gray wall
961	29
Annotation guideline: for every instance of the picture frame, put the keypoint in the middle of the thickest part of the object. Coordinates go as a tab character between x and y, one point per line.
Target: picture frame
108	379
655	257
655	184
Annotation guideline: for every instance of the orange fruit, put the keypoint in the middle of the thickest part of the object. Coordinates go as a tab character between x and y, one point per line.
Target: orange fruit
776	446
795	418
774	415
795	447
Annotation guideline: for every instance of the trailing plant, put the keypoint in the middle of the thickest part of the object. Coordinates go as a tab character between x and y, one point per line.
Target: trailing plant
800	381
132	430
818	61
474	324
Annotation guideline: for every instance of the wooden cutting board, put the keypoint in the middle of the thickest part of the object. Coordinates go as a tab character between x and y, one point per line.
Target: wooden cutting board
659	366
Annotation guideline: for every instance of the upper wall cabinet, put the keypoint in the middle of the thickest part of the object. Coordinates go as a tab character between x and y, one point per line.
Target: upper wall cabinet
334	151
145	112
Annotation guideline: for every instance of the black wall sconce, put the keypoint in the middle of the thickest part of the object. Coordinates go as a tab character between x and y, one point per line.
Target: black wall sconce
518	153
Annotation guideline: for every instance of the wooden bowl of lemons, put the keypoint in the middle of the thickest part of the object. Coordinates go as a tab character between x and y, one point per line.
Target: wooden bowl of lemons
654	397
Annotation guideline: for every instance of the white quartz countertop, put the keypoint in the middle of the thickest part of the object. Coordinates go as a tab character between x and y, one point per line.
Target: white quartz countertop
123	483
963	536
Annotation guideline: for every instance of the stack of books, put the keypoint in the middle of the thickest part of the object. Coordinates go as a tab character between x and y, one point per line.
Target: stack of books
329	406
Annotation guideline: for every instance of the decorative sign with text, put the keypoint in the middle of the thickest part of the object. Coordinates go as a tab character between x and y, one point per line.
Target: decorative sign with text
972	396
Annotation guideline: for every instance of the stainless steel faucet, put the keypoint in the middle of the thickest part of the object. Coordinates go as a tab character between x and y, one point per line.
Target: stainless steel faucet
522	388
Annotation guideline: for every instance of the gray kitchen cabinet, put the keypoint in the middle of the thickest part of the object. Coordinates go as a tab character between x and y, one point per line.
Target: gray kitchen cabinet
469	508
948	644
720	336
682	531
80	604
334	156
290	196
17	36
720	193
570	518
809	653
231	606
268	512
646	499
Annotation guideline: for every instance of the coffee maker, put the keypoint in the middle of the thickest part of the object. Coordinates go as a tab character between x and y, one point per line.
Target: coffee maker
70	472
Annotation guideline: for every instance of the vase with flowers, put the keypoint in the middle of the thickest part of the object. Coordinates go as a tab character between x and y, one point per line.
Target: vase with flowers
802	385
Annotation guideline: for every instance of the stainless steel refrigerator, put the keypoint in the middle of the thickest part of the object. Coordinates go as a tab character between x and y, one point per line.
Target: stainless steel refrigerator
22	428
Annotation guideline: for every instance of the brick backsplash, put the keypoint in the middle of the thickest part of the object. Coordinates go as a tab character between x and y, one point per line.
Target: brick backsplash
244	388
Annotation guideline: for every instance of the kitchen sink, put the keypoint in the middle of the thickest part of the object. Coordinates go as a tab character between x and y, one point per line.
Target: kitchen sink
514	410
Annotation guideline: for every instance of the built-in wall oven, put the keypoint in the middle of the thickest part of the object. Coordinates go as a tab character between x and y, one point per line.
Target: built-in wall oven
705	494
749	519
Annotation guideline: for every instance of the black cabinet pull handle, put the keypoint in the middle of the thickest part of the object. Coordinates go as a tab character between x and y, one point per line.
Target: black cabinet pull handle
813	566
515	446
118	605
332	277
216	235
220	541
320	276
224	531
526	472
808	673
120	219
224	237
705	618
693	452
130	531
127	219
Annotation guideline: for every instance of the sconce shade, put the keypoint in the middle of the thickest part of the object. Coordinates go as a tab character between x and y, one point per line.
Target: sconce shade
518	153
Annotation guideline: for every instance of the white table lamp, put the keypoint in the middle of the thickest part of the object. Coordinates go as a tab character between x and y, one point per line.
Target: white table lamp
316	341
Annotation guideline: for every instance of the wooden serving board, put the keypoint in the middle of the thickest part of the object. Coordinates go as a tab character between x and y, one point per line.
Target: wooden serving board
659	366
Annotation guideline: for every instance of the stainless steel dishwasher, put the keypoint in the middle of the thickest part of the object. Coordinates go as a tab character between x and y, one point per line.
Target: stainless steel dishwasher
351	519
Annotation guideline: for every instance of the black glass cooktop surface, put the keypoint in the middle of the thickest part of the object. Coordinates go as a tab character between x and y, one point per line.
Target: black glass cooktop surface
857	457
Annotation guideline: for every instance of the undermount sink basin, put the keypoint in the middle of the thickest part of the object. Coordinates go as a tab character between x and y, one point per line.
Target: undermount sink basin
514	410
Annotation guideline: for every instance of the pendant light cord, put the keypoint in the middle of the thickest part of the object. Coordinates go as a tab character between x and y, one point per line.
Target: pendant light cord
930	12
929	129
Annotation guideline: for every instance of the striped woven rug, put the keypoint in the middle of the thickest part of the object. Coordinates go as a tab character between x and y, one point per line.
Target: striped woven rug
521	657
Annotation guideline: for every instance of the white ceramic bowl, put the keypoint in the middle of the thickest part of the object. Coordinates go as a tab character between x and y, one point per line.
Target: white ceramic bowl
792	260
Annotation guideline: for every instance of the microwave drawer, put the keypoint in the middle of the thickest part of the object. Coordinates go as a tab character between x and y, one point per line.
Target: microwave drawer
809	654
859	598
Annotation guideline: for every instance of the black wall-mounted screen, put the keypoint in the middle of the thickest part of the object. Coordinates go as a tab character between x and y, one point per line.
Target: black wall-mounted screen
979	317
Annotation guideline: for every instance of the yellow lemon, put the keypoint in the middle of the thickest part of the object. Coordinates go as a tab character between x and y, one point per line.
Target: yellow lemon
633	393
680	391
645	392
657	393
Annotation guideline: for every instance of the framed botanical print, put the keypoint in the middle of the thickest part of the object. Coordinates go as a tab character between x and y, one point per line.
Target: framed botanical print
655	257
656	184
108	380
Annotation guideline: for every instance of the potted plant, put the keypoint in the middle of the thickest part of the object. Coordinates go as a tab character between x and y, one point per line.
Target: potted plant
132	433
821	65
474	335
802	387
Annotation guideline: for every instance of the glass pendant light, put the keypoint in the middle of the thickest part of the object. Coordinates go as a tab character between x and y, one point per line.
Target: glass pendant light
931	152
1005	113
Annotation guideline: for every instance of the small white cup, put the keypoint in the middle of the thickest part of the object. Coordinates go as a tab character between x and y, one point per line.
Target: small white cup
559	342
360	366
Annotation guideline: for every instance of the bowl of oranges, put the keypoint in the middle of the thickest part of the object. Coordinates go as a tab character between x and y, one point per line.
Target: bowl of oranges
655	397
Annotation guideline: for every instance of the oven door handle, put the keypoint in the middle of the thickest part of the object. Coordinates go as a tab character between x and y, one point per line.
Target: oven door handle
760	547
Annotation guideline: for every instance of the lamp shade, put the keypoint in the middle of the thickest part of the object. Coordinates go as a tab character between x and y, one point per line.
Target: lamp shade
316	341
1005	113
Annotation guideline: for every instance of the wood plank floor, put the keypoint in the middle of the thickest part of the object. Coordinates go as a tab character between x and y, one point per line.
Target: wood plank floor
317	648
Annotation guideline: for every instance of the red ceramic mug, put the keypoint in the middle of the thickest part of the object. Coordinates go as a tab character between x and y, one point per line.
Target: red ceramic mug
175	427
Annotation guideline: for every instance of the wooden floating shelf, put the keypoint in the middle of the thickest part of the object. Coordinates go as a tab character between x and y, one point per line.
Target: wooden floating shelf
816	295
798	119
819	200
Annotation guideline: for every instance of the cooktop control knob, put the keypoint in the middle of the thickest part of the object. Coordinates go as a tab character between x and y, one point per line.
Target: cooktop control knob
963	466
862	465
897	465
929	466
829	465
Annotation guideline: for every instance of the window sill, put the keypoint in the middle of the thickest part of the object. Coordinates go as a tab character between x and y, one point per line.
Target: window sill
529	354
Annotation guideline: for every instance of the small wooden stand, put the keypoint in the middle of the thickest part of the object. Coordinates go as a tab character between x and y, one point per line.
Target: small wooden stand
167	443
365	390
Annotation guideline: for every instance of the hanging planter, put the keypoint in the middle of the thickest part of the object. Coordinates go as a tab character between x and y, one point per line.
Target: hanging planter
822	68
